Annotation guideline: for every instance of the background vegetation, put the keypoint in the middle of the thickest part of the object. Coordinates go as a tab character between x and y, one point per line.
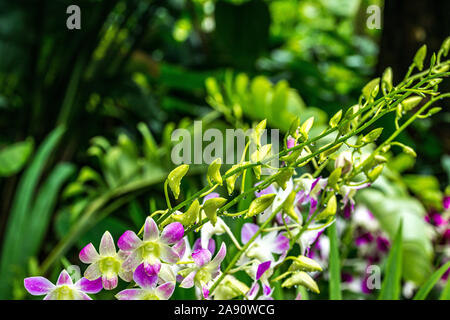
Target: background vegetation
86	115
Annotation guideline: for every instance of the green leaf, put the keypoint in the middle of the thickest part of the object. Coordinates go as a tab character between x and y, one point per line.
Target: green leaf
429	284
390	203
13	245
335	264
390	289
445	295
14	157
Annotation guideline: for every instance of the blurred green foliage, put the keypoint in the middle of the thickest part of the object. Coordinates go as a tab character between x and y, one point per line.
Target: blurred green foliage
137	70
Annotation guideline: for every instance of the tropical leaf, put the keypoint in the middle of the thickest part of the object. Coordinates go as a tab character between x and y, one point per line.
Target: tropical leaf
334	264
429	284
390	289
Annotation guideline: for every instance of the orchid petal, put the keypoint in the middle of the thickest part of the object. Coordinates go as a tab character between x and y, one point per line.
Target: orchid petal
107	247
180	248
168	254
143	279
64	278
262	267
188	282
133	260
93	272
109	283
201	257
248	231
89	286
38	285
129	241
165	291
151	231
88	254
129	294
215	263
281	244
172	233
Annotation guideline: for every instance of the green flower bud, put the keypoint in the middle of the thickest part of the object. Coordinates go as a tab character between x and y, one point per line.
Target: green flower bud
370	90
372	135
411	102
214	172
260	204
293	156
258	131
302	263
380	159
188	218
330	209
294	128
210	208
303	279
375	172
386	80
445	46
323	156
334	121
420	57
174	178
334	178
409	151
284	177
230	288
288	206
231	180
306	127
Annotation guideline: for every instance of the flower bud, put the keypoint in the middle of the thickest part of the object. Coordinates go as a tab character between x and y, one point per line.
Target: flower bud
174	178
306	127
330	209
230	288
288	207
420	57
302	263
188	218
214	172
210	208
370	90
231	180
293	129
372	135
284	177
445	46
334	178
260	204
375	172
258	131
344	161
409	151
334	121
386	80
411	102
303	279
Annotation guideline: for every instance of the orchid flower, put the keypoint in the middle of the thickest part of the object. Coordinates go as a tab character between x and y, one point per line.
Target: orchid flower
149	290
154	247
107	265
64	289
260	272
263	248
204	271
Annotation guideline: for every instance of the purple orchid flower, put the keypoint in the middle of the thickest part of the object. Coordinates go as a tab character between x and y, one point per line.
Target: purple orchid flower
107	265
154	247
205	270
64	289
149	290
